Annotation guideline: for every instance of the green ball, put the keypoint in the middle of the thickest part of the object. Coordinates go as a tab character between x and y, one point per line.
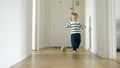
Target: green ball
63	48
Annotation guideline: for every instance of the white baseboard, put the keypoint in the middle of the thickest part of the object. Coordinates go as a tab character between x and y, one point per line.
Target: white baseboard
94	51
13	61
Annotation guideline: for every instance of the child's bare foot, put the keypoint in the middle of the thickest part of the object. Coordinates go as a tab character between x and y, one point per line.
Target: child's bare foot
74	51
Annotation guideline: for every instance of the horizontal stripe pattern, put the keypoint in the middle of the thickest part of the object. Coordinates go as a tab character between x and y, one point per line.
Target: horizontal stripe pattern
75	27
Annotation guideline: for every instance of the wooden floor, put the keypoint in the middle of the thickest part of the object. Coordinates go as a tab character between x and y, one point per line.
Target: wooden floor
54	58
118	57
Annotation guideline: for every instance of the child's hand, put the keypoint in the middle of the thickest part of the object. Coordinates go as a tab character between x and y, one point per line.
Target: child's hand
66	26
84	27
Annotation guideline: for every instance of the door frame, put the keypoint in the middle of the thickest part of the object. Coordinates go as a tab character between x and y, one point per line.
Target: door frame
90	35
37	25
112	30
33	23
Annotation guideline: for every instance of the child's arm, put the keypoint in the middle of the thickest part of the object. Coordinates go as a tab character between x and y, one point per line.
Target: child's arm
82	26
67	25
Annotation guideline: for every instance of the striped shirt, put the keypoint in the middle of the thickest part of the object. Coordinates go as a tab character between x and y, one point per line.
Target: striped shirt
75	27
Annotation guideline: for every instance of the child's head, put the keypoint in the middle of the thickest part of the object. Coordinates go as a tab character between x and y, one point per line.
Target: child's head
74	16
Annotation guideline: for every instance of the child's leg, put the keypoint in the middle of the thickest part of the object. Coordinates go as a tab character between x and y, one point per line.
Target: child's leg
78	41
73	42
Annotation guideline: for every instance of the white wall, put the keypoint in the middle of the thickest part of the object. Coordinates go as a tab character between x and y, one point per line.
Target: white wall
43	20
90	19
87	15
15	31
117	9
101	27
93	27
97	10
41	24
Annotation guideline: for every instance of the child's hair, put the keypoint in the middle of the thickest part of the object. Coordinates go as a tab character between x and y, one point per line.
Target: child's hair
74	14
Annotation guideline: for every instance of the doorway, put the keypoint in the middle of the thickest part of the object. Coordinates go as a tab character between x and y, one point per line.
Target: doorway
118	38
117	22
60	13
51	17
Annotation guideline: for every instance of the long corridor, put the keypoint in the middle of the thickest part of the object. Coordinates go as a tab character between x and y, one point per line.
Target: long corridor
54	58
